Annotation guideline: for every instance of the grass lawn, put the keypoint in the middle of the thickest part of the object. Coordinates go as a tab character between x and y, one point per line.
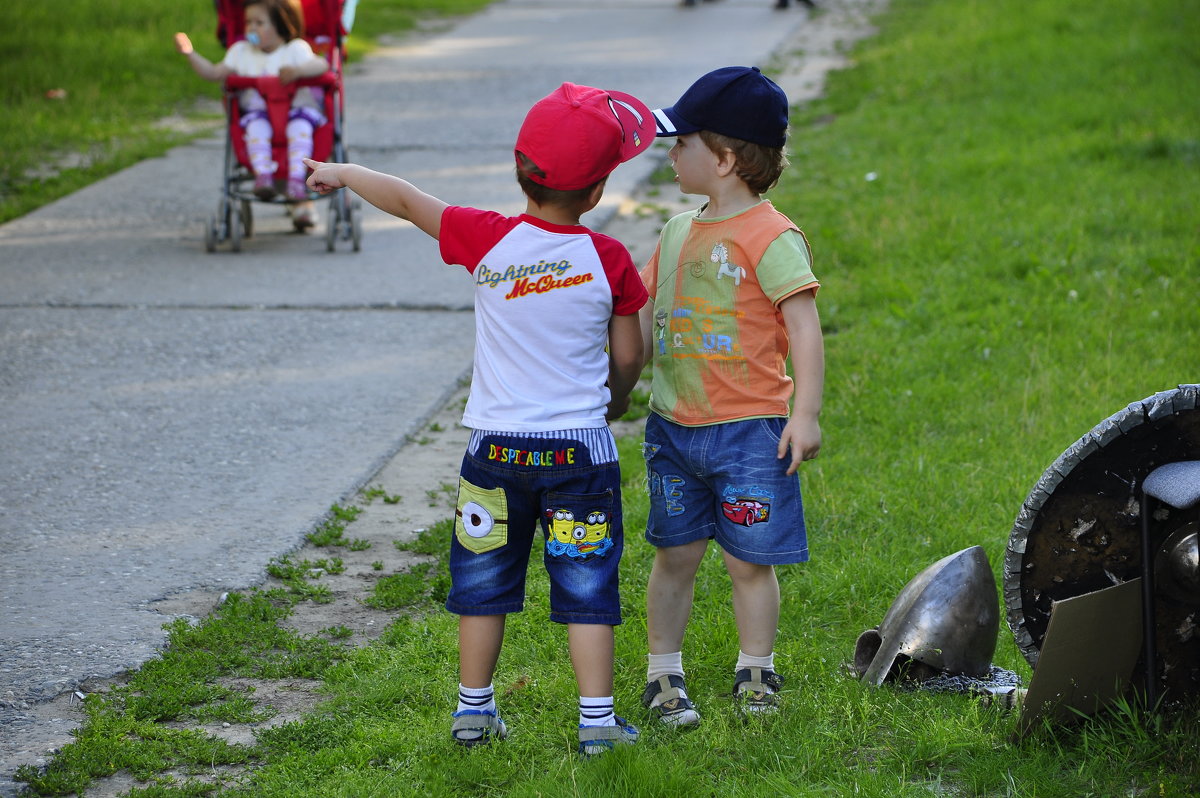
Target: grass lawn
1002	200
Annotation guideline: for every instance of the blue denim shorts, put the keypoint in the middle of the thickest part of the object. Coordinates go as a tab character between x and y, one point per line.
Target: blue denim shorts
509	488
724	481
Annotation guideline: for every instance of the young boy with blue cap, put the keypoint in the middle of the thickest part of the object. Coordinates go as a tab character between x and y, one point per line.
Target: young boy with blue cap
733	297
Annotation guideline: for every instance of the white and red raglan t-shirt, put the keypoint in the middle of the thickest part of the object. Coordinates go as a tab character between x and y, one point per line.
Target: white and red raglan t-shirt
544	295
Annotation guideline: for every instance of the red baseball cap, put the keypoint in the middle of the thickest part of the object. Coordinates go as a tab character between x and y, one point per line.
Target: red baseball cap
578	135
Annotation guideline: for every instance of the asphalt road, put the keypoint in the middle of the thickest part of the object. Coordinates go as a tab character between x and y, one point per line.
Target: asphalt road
171	420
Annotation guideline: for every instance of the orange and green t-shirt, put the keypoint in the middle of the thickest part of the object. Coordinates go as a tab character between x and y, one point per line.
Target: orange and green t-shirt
719	343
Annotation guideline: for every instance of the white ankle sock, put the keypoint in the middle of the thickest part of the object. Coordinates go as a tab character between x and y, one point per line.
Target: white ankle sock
480	699
596	711
660	665
747	661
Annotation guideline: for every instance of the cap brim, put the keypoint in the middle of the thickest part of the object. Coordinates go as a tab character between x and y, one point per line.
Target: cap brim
637	123
669	123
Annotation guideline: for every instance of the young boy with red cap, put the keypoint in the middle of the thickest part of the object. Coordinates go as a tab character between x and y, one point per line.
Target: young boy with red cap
550	295
733	295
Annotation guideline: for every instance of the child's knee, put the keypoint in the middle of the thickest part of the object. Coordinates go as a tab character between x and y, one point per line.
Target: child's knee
748	573
680	560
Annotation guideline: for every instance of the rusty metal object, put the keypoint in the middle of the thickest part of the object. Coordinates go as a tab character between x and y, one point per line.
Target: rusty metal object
945	618
1080	530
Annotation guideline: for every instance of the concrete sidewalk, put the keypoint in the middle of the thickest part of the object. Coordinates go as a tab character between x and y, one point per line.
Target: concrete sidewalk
173	420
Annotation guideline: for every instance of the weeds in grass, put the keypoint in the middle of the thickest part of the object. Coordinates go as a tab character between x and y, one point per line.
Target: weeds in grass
332	531
345	513
438	494
124	729
371	494
432	542
328	534
111	741
168	787
297	578
424	581
402	590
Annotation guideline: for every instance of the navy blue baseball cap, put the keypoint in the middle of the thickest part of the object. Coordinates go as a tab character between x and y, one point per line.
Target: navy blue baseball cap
739	102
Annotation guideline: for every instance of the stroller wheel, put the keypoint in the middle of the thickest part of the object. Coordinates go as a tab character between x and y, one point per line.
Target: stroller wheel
210	234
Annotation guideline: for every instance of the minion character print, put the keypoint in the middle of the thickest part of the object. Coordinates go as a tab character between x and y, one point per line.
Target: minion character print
595	539
481	519
578	539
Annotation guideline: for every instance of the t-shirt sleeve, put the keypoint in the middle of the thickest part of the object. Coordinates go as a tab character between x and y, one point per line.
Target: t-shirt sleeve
299	51
649	272
233	56
628	292
468	234
786	267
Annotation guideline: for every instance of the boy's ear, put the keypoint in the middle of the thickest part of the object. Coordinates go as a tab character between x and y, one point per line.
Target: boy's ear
596	194
726	162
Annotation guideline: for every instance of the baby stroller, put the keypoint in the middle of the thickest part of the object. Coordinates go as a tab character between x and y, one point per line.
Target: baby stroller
323	28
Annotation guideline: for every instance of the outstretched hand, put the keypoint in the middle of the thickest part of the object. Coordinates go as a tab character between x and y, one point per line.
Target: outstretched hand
183	45
324	177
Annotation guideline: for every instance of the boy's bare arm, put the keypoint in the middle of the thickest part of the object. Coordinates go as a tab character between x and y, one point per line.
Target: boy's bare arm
624	362
646	318
802	435
397	197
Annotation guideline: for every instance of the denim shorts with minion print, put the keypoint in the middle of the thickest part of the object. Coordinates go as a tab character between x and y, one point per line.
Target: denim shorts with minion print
567	484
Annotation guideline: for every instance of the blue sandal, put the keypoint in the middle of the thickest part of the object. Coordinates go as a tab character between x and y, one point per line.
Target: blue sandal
595	740
477	727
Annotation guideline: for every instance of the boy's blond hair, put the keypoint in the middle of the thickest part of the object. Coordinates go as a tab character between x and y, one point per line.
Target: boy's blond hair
757	165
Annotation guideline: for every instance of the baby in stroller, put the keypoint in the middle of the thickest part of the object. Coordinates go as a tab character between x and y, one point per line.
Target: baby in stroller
274	44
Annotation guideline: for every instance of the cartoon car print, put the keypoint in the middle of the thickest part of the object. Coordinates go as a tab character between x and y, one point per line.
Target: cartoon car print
746	512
